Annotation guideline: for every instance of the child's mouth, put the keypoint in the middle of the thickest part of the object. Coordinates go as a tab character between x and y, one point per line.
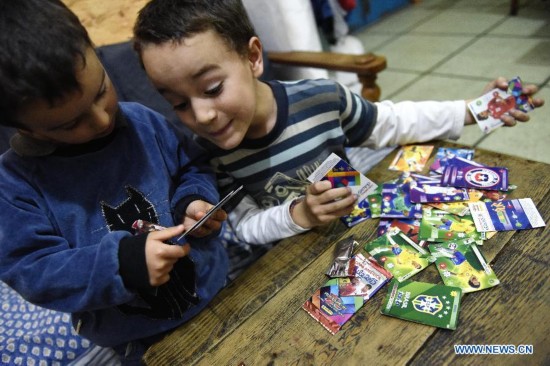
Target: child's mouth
221	131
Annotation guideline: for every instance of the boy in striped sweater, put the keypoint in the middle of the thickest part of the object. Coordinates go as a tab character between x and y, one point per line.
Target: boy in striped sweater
205	59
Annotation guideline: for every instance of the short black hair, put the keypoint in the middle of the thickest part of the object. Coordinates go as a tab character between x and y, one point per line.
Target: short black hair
41	44
163	21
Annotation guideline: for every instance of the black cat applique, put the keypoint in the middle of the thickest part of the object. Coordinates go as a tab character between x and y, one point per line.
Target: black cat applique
172	299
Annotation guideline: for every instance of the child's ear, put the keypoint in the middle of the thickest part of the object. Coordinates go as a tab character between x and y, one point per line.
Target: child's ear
255	56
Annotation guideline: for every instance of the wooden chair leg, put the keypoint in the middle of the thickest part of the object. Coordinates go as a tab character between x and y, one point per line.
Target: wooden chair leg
371	90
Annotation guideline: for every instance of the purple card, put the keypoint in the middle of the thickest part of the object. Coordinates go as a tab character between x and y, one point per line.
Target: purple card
433	192
445	156
484	177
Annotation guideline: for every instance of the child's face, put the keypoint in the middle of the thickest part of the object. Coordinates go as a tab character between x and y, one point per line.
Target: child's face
80	116
212	88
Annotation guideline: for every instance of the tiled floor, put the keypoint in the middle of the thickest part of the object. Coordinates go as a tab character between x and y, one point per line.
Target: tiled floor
450	49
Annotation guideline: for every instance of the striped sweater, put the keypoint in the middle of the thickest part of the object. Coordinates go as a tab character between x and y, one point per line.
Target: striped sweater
314	119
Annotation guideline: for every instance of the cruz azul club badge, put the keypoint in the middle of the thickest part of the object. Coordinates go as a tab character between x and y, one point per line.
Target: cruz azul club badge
482	177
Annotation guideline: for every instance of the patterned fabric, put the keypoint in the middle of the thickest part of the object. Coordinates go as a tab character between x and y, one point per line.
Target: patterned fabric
31	335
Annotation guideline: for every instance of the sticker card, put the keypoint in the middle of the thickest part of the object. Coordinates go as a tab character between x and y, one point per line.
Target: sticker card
411	158
516	214
340	174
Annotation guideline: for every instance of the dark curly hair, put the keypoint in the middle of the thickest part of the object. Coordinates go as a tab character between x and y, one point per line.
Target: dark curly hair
163	21
41	44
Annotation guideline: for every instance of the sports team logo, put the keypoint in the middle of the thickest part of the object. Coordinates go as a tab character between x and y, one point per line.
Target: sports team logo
427	304
482	178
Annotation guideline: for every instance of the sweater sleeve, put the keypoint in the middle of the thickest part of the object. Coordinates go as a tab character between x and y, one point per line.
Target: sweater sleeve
192	175
414	122
262	226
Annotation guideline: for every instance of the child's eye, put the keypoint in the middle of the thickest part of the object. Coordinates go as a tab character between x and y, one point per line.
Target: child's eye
102	92
181	107
72	126
215	90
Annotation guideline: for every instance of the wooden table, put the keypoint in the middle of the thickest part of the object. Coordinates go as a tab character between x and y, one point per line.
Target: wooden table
258	319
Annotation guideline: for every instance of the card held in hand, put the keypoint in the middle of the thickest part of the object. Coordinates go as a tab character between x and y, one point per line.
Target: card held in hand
340	174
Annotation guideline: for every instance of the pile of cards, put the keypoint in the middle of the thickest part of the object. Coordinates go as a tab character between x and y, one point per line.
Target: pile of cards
339	298
442	218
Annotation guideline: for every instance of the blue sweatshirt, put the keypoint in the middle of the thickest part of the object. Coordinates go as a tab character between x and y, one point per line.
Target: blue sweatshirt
66	241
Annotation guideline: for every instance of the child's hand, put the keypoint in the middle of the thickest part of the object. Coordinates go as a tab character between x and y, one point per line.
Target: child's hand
195	211
514	115
323	204
161	257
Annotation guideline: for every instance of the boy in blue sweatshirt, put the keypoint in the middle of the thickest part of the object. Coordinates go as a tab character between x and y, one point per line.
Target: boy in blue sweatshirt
81	170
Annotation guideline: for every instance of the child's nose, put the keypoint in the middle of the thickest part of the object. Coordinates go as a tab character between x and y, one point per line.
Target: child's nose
99	117
204	113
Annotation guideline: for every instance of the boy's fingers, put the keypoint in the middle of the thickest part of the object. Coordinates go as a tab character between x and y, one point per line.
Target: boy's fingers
319	187
167	233
176	251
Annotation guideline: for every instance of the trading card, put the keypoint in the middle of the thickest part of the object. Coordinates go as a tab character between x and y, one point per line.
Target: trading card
360	213
489	108
462	265
475	195
396	203
437	225
340	174
445	154
524	102
409	227
411	158
375	202
433	192
516	214
331	309
369	276
426	303
343	263
490	178
210	212
398	254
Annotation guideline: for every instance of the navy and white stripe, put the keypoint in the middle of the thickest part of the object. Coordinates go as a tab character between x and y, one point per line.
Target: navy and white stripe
314	119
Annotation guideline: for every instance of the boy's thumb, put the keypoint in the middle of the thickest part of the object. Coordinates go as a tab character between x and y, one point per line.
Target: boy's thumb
168	233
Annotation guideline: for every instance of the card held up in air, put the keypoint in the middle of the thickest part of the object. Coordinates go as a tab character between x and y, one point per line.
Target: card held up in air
490	107
340	174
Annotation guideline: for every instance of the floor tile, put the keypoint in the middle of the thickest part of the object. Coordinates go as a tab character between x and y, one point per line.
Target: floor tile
392	82
459	22
450	49
421	52
528	23
494	56
401	21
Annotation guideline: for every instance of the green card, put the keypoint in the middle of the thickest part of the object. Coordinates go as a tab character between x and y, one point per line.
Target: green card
398	254
462	265
438	225
426	303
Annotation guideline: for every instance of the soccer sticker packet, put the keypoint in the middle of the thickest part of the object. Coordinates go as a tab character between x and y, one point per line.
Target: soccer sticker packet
426	303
